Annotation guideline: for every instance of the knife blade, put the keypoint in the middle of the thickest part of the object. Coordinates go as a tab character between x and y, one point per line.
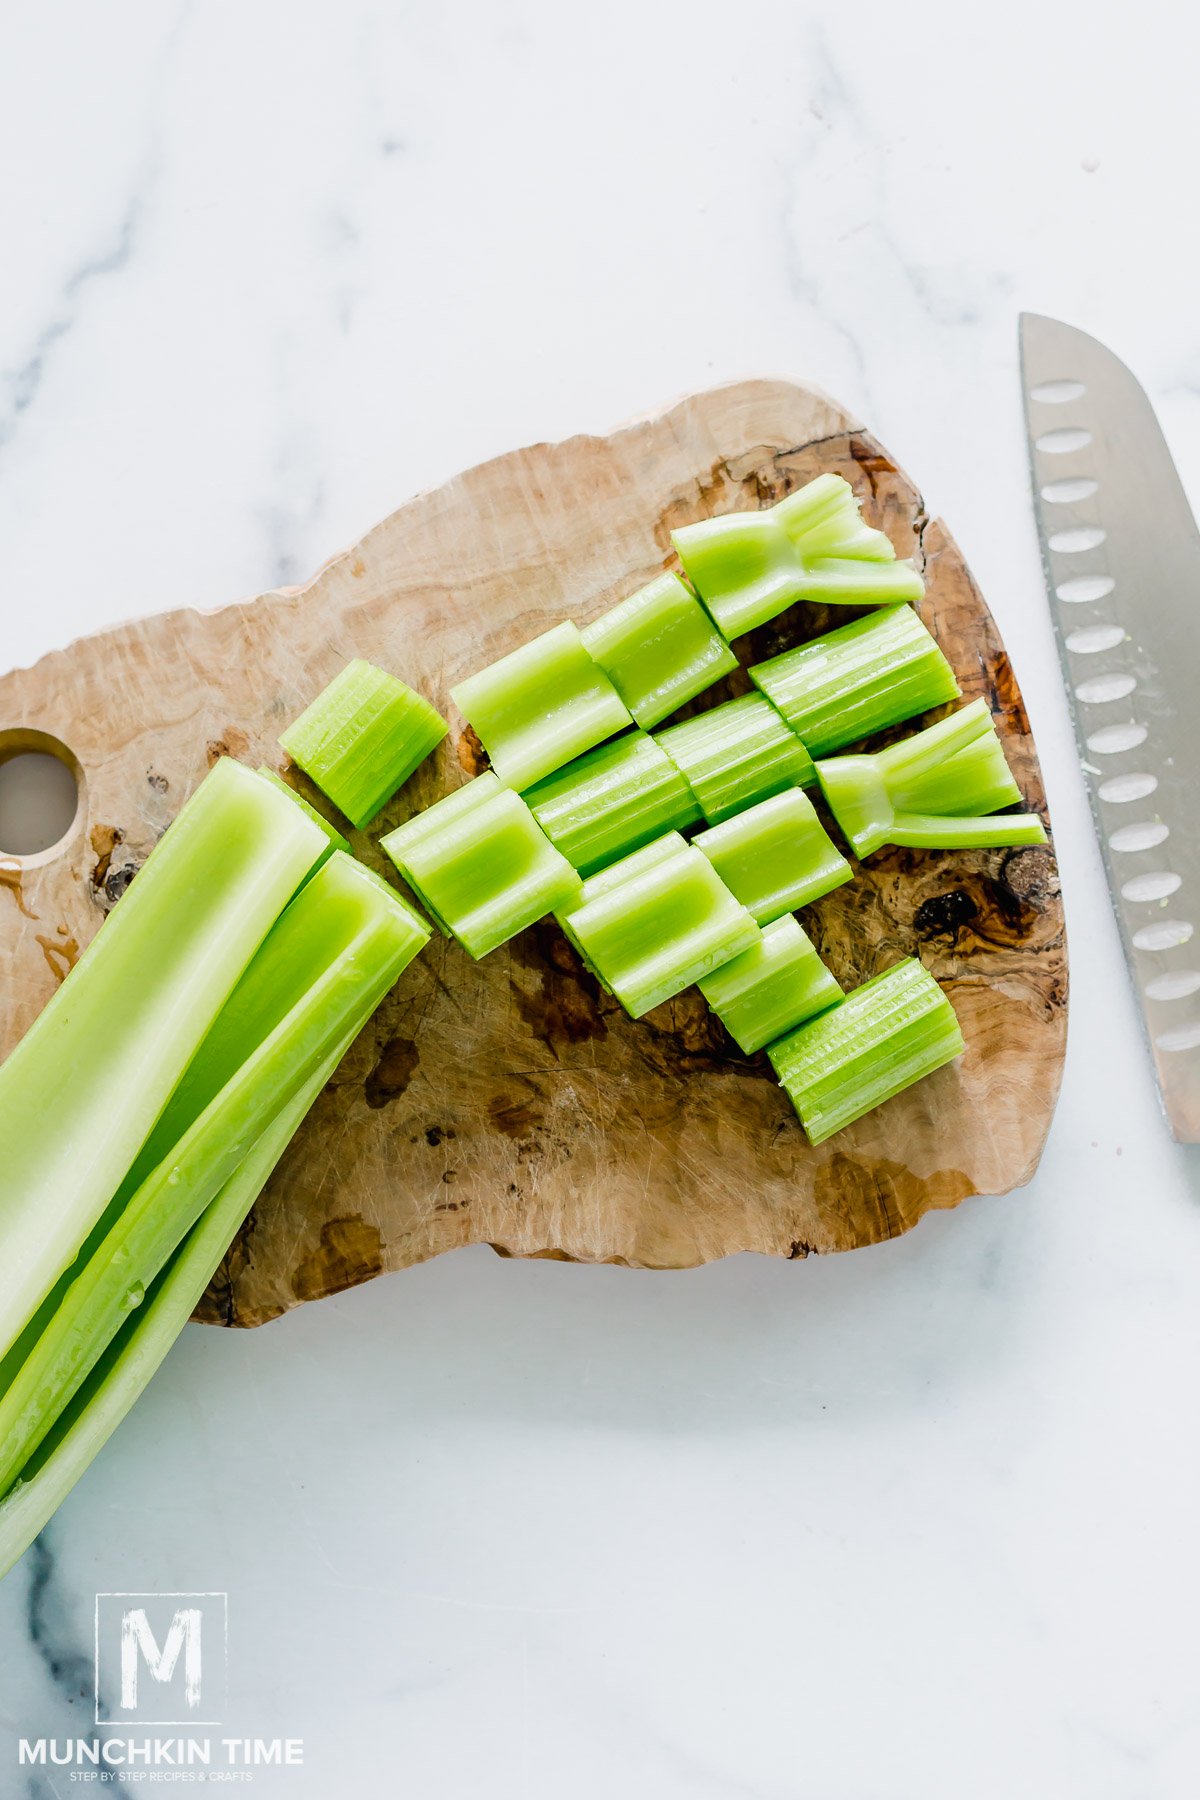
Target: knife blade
1121	554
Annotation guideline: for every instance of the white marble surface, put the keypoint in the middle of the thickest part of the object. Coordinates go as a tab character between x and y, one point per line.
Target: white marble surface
914	1524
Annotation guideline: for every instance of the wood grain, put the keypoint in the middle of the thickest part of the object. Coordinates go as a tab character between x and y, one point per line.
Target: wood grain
511	1102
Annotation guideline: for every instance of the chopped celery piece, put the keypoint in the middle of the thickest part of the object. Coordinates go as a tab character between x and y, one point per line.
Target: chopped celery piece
772	987
319	975
930	791
942	831
747	567
82	1089
744	567
362	737
823	519
336	840
736	754
540	706
664	919
884	1036
828	499
606	803
639	862
861	678
854	581
956	765
482	864
775	856
659	649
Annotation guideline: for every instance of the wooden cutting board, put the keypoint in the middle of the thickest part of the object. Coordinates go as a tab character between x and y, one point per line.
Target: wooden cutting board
511	1102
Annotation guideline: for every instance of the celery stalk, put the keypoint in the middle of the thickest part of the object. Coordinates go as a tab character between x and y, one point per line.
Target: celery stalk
854	581
336	840
861	678
744	567
362	737
481	864
609	801
772	987
82	1089
144	1338
736	754
651	926
823	519
775	856
933	831
541	705
659	649
929	791
334	954
826	500
887	1034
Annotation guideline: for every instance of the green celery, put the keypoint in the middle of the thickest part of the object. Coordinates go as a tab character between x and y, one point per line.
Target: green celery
540	706
329	961
883	1037
744	567
944	831
362	737
865	676
651	926
336	840
659	649
953	772
775	856
823	519
772	987
854	581
609	801
736	754
481	864
82	1089
143	1340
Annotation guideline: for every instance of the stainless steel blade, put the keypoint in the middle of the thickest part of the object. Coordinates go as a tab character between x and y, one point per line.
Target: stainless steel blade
1121	553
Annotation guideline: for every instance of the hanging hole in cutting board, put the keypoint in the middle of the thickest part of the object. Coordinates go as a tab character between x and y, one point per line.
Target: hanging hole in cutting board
41	796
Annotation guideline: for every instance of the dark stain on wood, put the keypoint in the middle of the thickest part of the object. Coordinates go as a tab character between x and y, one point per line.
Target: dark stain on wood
350	1250
471	754
233	741
105	839
565	1005
396	1065
10	878
61	952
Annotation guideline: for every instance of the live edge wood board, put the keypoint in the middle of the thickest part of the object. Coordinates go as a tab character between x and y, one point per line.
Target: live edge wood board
510	1101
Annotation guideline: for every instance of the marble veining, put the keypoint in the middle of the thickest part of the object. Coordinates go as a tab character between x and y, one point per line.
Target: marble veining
912	1524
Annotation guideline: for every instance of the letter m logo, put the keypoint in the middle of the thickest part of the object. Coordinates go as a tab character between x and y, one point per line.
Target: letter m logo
160	1658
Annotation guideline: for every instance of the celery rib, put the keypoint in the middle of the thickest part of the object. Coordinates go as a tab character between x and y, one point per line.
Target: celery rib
772	987
659	649
362	737
884	1036
330	960
736	754
336	840
481	864
954	772
775	856
162	965
861	678
654	924
613	799
540	706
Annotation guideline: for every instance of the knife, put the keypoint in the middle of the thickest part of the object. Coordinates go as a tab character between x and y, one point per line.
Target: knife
1121	554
